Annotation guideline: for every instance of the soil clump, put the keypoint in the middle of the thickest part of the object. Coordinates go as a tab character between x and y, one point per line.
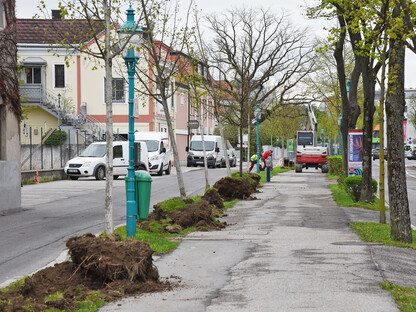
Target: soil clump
237	188
106	268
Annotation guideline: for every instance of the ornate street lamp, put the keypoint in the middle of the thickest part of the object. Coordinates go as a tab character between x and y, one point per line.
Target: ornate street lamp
339	127
132	32
257	114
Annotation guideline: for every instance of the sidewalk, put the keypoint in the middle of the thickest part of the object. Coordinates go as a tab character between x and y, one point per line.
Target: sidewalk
291	250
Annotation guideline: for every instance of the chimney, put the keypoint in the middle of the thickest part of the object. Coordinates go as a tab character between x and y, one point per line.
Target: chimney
56	14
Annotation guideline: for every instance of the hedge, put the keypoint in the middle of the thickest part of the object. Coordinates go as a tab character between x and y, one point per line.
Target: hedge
353	186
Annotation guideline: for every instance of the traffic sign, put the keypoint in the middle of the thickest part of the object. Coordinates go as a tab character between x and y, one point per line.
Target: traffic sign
193	124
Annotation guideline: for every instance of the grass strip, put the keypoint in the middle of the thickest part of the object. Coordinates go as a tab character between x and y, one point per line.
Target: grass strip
344	199
379	233
405	297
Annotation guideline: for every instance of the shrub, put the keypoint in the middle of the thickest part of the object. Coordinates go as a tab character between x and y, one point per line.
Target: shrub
56	138
353	186
335	167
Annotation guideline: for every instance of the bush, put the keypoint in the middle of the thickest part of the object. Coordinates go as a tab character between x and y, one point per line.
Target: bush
353	186
335	167
56	138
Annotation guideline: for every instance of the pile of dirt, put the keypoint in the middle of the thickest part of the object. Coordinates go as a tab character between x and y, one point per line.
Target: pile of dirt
113	267
198	215
236	188
109	259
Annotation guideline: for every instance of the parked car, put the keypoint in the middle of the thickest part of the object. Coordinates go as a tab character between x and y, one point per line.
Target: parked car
213	149
408	153
92	161
231	157
159	150
376	153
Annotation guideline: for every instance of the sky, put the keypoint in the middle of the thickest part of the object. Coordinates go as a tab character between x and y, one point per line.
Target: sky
294	9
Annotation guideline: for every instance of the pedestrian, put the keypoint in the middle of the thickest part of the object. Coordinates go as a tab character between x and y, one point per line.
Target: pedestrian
253	160
266	155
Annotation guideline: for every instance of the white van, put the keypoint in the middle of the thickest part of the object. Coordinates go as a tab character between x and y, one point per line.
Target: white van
92	161
159	150
213	149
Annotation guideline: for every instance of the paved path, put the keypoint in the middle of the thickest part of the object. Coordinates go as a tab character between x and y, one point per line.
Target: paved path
291	250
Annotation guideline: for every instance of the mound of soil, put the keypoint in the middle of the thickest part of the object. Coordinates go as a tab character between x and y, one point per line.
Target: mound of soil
234	188
109	259
198	215
213	197
115	268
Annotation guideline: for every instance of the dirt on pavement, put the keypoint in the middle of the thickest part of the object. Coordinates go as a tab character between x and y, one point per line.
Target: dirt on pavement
108	268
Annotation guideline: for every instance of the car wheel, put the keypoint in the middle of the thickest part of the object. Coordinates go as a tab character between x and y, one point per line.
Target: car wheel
298	168
142	167
100	173
188	164
167	171
74	178
160	172
325	169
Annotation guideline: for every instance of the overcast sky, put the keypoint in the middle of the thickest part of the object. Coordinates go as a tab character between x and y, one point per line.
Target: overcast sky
295	9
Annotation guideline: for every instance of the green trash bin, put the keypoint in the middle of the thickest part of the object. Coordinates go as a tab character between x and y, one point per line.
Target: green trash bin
143	183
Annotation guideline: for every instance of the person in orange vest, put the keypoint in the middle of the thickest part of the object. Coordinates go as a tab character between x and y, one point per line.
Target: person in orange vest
266	155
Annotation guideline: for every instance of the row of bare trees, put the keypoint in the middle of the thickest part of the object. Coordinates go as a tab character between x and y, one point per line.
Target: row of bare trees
256	54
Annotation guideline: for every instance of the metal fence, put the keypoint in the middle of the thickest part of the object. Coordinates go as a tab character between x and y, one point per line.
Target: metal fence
46	156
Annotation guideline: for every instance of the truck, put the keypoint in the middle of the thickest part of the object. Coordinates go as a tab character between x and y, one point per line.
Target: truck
308	153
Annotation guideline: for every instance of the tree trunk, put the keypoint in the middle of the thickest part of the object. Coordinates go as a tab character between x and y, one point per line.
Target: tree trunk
369	109
224	147
400	226
179	174
204	151
108	227
339	58
241	150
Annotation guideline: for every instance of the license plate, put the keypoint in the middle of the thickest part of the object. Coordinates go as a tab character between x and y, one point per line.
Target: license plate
72	171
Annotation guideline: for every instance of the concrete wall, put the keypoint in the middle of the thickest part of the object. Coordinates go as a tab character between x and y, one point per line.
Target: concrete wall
51	160
10	195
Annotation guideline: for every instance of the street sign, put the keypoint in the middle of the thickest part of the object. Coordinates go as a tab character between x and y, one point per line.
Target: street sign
193	124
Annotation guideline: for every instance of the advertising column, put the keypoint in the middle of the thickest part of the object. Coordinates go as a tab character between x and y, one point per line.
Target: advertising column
355	152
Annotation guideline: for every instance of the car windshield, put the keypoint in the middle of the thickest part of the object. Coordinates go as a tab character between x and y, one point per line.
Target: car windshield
197	146
152	145
94	150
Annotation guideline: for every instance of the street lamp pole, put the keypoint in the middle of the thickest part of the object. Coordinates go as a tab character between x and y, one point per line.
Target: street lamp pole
323	136
257	114
59	126
339	127
130	59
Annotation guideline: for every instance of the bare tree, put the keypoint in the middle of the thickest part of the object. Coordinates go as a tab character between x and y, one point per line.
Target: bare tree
88	27
258	54
165	40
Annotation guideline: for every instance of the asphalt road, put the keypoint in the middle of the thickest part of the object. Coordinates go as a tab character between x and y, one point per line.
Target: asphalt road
410	181
53	212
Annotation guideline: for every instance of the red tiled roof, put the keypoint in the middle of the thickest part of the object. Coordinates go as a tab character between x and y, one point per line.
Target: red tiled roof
48	31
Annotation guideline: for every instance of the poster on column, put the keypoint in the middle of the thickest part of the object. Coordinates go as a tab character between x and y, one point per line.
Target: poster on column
290	149
355	152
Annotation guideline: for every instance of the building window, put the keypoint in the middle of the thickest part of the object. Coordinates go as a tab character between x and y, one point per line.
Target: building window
118	90
33	75
59	76
2	16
